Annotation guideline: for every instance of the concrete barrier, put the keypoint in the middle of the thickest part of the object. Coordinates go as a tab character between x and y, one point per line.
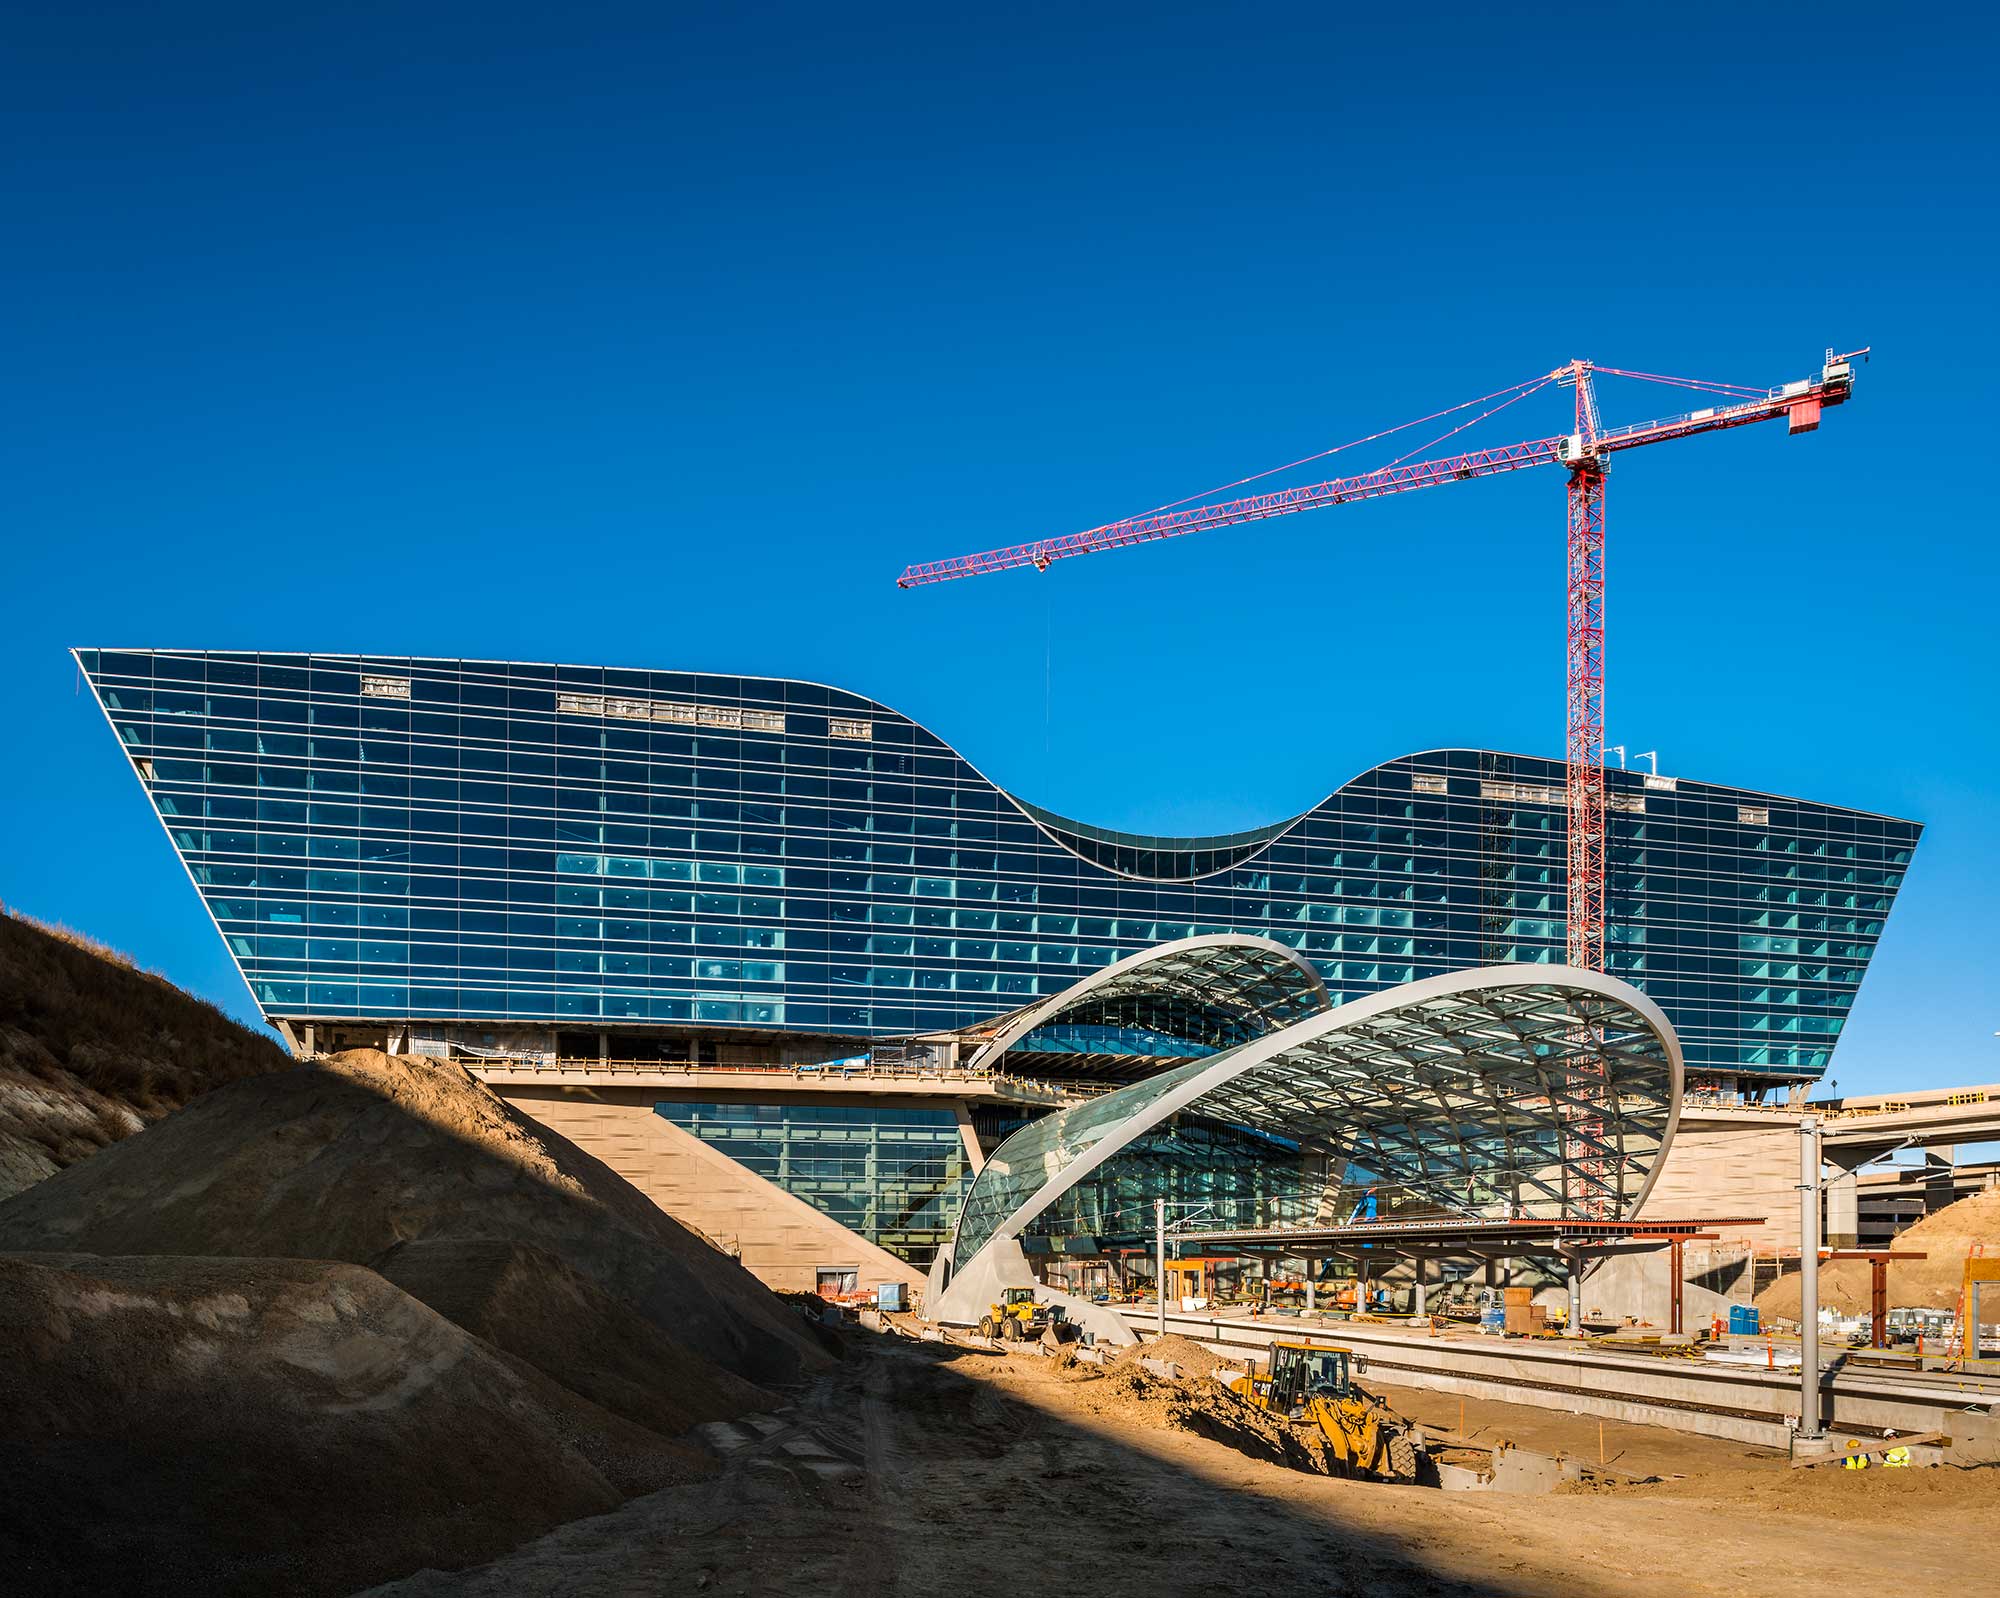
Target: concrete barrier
1165	1369
1513	1470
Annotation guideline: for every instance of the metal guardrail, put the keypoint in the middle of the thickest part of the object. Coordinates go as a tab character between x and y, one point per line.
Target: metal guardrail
904	1072
1956	1098
892	1071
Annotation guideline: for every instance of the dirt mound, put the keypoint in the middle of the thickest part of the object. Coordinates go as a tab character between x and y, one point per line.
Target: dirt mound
92	1049
1930	1283
1129	1396
1192	1358
222	1426
365	1154
533	1305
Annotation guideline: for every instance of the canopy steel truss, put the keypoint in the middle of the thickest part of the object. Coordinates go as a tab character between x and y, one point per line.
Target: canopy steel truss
1503	1095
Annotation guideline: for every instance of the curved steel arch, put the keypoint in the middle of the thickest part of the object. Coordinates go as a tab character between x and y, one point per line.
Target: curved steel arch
1463	1078
1257	983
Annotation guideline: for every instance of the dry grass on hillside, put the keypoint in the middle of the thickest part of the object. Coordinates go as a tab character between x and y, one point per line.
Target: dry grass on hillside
92	1048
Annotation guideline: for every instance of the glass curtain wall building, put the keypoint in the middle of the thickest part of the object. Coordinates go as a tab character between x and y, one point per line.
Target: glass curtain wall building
893	1174
684	862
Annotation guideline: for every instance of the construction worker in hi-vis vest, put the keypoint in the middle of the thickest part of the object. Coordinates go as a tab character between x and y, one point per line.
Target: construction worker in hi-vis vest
1896	1459
1855	1460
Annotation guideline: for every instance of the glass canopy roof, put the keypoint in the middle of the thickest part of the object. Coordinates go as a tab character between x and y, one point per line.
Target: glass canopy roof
1184	999
1519	1091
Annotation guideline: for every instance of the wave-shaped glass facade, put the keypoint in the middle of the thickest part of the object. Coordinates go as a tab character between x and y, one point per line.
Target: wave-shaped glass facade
392	839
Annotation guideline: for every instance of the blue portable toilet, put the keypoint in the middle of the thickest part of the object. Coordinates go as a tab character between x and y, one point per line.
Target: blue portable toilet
889	1297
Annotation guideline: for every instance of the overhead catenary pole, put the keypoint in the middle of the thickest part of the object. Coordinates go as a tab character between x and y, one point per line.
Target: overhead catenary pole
1809	1162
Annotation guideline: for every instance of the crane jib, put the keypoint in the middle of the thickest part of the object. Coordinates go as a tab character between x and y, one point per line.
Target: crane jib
1801	402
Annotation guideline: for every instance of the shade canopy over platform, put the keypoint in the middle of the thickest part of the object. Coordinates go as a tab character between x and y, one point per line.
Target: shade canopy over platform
1502	1094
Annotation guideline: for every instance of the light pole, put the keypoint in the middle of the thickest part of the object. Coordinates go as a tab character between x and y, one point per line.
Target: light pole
1809	1161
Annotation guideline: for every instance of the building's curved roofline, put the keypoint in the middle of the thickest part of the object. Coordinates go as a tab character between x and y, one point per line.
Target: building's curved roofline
1206	1077
1030	1017
1198	857
1275	829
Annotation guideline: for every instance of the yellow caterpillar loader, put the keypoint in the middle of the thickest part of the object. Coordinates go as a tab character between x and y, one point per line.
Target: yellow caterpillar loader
1018	1318
1313	1385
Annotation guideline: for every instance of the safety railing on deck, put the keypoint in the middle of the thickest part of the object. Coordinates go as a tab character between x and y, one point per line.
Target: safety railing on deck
858	1070
1939	1099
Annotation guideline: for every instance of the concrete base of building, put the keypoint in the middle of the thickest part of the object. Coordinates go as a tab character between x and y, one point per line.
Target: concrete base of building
782	1240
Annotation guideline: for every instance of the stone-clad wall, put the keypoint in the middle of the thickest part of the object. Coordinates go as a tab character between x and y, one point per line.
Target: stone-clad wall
1743	1164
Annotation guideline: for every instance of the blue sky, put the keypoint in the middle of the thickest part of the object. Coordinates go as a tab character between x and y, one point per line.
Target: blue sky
666	337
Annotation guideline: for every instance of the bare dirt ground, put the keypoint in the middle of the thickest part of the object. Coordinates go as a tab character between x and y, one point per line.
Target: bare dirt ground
918	1470
1632	1450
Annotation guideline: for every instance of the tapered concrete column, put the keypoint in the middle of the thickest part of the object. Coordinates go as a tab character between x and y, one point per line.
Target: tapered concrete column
1417	1303
1843	1211
1575	1327
1312	1297
968	1137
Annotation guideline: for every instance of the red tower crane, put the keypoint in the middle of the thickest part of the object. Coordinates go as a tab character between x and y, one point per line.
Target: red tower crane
1585	452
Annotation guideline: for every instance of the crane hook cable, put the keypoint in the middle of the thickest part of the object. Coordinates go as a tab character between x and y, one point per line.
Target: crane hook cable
1462	426
1518	390
1701	383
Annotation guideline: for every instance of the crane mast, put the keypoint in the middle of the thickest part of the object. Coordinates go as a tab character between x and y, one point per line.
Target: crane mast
1584	719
